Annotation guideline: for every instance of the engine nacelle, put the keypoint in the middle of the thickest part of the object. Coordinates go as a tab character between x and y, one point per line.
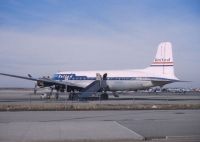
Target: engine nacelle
40	84
60	88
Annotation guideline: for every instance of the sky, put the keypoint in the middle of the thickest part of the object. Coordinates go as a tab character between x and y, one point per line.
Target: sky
46	36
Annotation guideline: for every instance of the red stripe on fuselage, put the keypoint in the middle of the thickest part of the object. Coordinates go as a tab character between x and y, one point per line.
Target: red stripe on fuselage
163	63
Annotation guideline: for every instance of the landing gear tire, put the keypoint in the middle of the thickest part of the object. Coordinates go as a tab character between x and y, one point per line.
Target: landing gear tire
104	96
73	96
56	95
70	96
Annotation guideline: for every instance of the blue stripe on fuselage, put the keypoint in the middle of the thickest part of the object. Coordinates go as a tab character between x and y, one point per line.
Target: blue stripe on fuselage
75	77
62	77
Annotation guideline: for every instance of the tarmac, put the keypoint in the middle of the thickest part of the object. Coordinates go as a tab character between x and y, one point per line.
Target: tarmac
131	125
100	125
61	131
27	97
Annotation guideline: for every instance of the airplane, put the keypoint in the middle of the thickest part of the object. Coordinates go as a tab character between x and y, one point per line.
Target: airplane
159	73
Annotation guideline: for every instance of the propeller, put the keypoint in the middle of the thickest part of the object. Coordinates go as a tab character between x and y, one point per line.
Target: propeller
29	75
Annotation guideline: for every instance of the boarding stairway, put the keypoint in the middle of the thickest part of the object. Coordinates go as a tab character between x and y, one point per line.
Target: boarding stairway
96	86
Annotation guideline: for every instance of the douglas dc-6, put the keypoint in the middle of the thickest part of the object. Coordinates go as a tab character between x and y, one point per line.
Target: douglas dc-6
159	73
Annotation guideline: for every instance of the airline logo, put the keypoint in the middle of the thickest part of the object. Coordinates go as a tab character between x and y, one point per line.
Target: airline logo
162	62
69	77
62	76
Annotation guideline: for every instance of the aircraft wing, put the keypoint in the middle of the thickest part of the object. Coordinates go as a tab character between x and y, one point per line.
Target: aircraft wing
17	76
46	81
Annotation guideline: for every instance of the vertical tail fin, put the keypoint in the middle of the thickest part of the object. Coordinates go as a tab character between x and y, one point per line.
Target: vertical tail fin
163	63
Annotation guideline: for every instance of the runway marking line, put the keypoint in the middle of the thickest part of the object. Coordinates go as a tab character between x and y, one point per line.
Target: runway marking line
138	135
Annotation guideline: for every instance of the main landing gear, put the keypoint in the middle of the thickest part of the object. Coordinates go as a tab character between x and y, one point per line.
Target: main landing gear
104	96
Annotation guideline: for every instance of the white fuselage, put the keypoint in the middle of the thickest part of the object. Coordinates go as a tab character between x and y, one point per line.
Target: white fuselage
159	73
123	80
